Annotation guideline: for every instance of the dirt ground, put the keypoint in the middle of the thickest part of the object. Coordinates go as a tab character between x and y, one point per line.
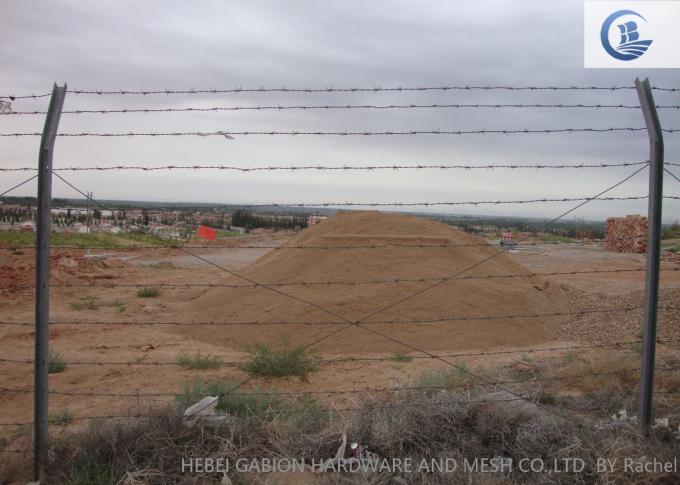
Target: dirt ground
141	358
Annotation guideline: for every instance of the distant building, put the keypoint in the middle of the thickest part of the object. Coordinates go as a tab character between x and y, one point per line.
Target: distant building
314	219
81	228
626	234
106	227
27	226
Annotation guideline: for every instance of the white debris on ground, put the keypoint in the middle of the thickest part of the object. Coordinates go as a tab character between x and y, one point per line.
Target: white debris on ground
204	412
622	417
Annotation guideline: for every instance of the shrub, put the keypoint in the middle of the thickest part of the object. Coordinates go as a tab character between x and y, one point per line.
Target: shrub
635	343
230	400
399	357
119	304
411	426
55	362
279	361
160	265
85	303
148	292
198	361
60	418
89	470
451	378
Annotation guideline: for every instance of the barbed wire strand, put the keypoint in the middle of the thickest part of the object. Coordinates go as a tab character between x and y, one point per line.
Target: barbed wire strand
429	203
174	246
528	380
231	134
331	89
437	279
462	400
341	107
454	318
331	167
354	359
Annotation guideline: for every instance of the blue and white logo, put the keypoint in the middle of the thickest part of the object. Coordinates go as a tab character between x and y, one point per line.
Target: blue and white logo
630	47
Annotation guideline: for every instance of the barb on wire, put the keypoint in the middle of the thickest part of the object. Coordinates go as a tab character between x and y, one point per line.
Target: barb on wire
342	107
329	167
231	134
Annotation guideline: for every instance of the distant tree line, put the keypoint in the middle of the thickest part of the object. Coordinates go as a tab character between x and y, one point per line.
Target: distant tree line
247	219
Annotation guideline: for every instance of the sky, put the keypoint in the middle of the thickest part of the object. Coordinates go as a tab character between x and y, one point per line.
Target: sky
133	45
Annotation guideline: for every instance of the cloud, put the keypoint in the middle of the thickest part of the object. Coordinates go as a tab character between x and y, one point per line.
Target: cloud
180	45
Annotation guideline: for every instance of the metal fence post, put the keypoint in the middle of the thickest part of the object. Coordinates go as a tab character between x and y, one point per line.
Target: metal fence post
653	250
42	278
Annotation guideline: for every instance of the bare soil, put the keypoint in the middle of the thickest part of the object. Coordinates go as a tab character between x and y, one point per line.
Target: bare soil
123	341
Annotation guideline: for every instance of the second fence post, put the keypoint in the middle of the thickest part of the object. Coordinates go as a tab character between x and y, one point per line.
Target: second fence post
653	250
42	279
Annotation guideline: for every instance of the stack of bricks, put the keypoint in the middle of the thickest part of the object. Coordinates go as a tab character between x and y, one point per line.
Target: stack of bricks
626	234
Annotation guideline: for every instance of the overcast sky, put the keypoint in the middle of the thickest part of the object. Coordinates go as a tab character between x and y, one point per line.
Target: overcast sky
113	45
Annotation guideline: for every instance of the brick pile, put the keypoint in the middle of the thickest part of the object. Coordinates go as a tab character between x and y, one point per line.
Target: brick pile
626	234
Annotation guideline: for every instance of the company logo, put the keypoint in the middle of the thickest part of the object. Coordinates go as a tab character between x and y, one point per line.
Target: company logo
630	46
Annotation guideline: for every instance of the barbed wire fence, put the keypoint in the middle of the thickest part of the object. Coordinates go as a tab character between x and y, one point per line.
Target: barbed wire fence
366	323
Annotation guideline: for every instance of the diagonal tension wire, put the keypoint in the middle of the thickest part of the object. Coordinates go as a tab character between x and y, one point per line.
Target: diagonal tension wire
503	250
459	368
283	293
357	322
91	199
238	275
671	174
18	185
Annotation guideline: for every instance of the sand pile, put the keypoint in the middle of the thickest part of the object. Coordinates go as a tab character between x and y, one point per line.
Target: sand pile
458	298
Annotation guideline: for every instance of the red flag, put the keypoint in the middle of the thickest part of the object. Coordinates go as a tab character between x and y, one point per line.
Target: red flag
207	233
